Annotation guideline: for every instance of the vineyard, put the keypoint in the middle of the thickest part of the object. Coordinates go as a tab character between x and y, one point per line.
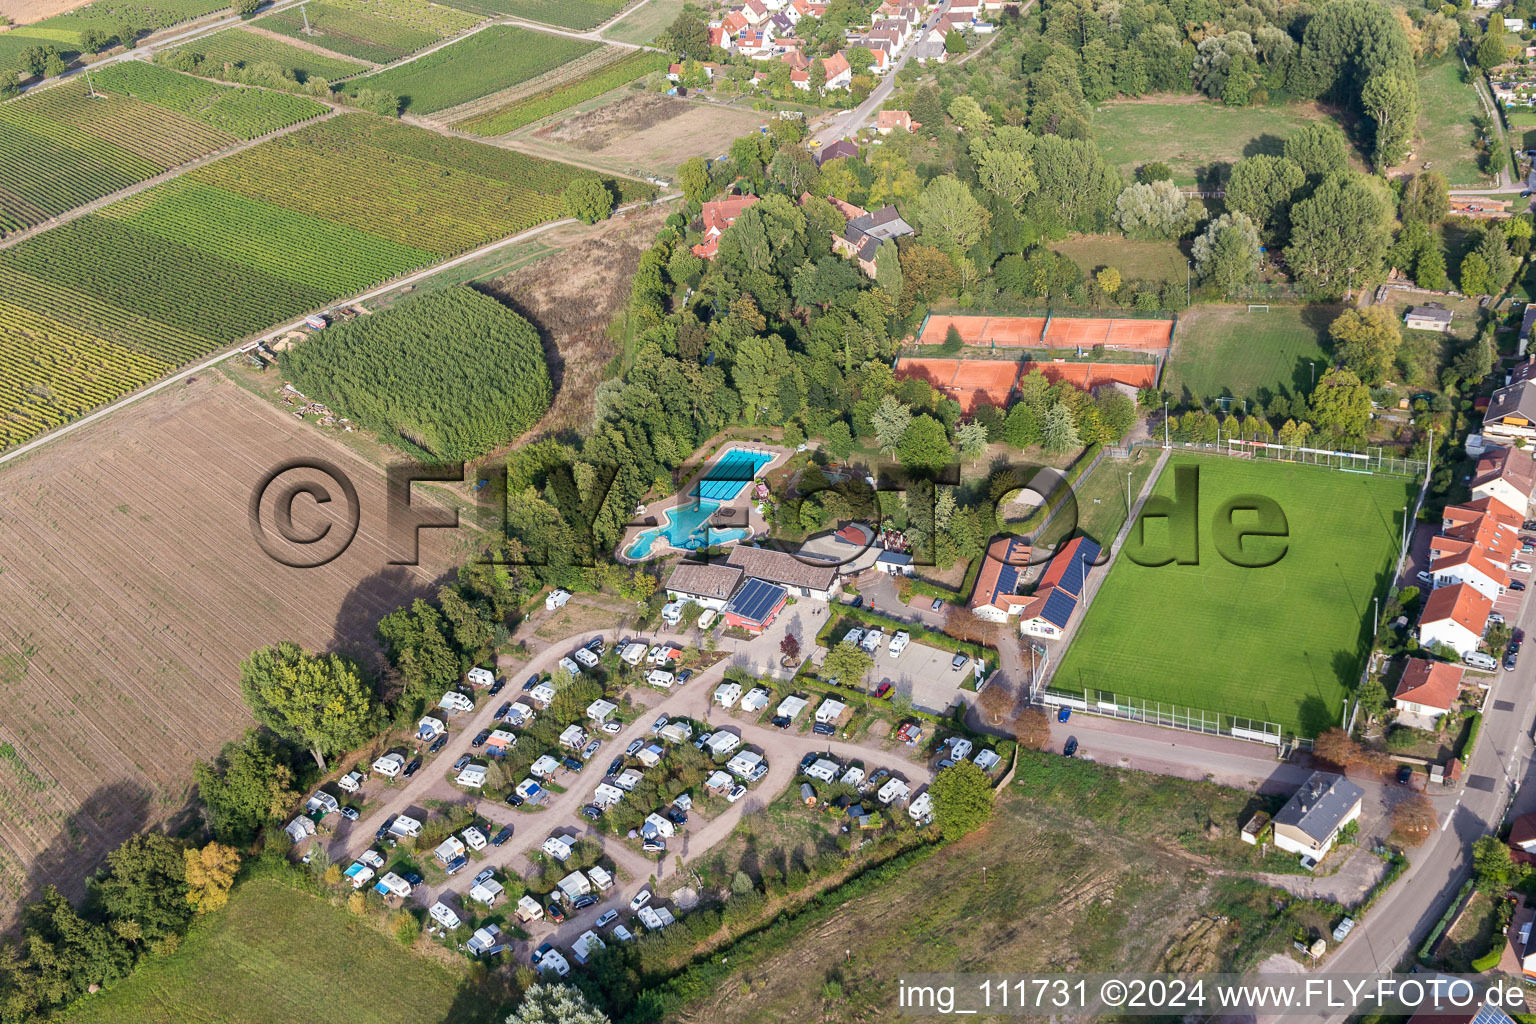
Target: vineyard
234	49
112	300
577	14
245	113
492	59
64	31
556	98
381	31
61	148
453	372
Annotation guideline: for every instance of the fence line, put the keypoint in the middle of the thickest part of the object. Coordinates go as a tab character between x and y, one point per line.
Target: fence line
1373	460
1107	704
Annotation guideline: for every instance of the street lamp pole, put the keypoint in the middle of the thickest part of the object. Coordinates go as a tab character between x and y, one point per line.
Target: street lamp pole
1165	423
1187	300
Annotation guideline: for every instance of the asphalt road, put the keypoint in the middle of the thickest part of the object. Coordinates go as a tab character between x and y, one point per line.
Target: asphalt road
846	124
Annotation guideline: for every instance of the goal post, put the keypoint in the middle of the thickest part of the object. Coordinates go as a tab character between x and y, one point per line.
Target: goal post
1258	307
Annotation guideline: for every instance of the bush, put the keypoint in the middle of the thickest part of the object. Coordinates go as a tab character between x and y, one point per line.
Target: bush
1489	960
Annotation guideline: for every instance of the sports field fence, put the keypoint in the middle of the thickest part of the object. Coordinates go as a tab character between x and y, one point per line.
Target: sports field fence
1108	704
1372	460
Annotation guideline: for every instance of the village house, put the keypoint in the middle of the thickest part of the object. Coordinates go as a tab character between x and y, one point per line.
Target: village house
1511	414
1455	616
895	120
865	232
1310	821
1428	688
1506	475
755	700
820	583
716	217
1427	318
1060	589
755	605
727	694
994	598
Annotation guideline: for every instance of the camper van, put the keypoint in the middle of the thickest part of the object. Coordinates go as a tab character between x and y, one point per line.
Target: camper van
708	619
672	614
1477	659
410	828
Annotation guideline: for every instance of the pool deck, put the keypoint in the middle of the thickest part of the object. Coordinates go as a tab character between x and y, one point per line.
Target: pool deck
746	516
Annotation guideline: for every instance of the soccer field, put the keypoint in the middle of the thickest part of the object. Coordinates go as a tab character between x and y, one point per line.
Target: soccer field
1226	350
1280	644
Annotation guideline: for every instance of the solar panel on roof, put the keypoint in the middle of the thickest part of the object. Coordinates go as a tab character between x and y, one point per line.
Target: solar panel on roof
1058	608
1007	580
756	600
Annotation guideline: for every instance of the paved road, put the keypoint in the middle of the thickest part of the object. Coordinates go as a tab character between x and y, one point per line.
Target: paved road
783	750
846	124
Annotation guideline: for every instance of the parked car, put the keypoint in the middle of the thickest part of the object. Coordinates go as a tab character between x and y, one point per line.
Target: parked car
595	645
661	723
615	766
584	901
884	691
479	740
703	739
496	687
572	764
823	729
1070	748
513	800
531	683
634	748
501	712
782	721
412	877
412	768
653	846
613	728
538	954
1426	579
875	780
641	899
938	603
736	794
590	749
1404	774
591	812
677	817
1516	584
350	813
383	832
683	676
1509	661
958	662
857	602
808	760
554	913
606	918
501	837
1520	566
461	763
759	773
1063	714
438	744
1518	636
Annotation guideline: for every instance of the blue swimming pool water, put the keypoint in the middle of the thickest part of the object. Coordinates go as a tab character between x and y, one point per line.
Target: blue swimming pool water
734	470
684	528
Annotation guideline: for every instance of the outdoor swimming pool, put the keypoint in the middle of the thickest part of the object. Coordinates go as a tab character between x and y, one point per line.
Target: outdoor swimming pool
734	470
684	528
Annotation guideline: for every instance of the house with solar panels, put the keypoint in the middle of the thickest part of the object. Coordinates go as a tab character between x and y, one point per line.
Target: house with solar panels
1060	589
996	596
755	605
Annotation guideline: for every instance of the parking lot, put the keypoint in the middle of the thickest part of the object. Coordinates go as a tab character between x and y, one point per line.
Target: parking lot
921	672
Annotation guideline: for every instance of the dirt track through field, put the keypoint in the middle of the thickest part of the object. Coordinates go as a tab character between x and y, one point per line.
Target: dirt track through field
133	587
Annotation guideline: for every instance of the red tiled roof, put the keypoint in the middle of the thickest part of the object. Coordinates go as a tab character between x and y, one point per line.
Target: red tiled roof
718	216
1515	468
1061	561
1471	511
836	65
1474	559
1433	684
1002	552
1459	603
1522	830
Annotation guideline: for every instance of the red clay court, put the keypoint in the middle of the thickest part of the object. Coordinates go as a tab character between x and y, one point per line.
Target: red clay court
973	382
1006	331
1055	332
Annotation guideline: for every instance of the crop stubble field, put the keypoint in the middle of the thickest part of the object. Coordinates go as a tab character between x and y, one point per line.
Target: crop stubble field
132	588
114	299
1277	644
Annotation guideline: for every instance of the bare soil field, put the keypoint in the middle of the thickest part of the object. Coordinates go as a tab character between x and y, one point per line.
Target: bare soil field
133	587
25	12
647	132
572	296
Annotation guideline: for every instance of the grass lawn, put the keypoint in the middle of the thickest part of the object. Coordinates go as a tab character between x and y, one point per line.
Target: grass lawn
277	955
1447	106
1522	129
1101	508
1190	133
1226	350
1280	643
1137	261
641	26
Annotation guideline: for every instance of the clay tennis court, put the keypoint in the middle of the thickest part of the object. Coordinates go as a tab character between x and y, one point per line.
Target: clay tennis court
971	382
1005	331
1090	375
1068	332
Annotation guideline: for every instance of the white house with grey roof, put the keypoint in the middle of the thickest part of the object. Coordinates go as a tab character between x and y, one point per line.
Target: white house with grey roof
709	586
1427	318
1310	821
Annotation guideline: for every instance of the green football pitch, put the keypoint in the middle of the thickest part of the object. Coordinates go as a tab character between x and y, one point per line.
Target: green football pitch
1281	644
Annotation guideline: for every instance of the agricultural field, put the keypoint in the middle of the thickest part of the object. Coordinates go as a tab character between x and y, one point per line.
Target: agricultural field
643	132
643	25
133	590
452	372
243	113
492	59
240	49
1279	644
1225	350
1136	260
560	96
1191	134
272	956
60	148
577	14
379	31
63	31
1111	868
1445	136
245	243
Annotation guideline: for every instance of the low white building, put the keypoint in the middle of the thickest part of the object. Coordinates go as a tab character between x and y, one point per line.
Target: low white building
322	803
660	678
823	769
543	694
628	779
558	847
443	914
480	677
585	945
655	824
351	782
474	838
487	892
722	742
574	737
727	694
755	700
791	706
830	711
528	909
430	728
449	850
556	599
554	962
1310	821
677	732
543	767
602	881
651	756
743	763
606	796
456	703
655	918
473	776
601	710
921	809
573	885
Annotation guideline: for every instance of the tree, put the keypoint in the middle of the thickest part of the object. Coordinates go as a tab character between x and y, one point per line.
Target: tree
948	213
1474	275
145	882
1338	748
1032	729
1155	210
10	84
93	41
556	1004
686	36
1494	251
693	179
210	873
1108	281
925	445
1318	148
1059	432
1227	252
847	664
972	438
1154	171
995	701
1341	404
1425	198
376	101
838	439
1261	186
1372	697
891	421
1413	820
967	113
588	199
1430	273
246	788
1007	173
1366	340
246	8
790	647
1340	234
1227	67
962	799
319	700
1490	51
1492	867
1391	100
954	42
952	341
